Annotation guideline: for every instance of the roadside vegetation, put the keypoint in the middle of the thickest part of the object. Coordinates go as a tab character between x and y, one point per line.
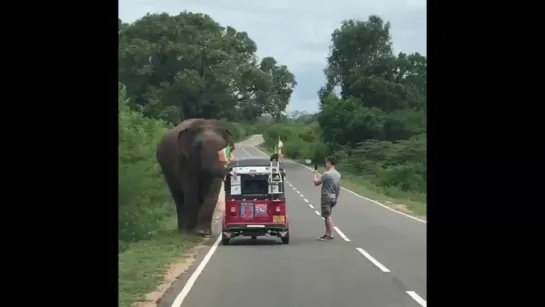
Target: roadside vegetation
372	118
195	68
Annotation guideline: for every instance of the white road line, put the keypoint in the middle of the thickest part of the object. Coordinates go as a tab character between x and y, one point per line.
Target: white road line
306	200
191	281
317	213
244	149
363	197
417	298
311	206
341	234
373	260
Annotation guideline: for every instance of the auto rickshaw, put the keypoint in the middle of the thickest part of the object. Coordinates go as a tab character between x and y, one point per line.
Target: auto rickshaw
255	203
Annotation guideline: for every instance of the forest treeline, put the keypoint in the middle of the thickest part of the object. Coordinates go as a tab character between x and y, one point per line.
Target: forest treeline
188	65
372	112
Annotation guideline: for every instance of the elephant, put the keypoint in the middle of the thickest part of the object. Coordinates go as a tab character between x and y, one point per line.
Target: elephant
188	157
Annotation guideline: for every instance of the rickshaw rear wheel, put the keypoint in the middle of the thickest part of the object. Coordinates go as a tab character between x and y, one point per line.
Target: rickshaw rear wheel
286	239
225	240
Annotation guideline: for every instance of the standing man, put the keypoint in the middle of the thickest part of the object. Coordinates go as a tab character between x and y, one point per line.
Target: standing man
331	187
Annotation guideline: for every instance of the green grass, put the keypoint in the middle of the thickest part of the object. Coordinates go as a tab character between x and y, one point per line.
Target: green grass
142	264
410	203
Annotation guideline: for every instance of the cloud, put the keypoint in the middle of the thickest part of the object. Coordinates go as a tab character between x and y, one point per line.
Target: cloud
297	33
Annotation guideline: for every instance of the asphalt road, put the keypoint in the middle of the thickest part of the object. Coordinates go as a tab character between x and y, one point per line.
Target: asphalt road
378	258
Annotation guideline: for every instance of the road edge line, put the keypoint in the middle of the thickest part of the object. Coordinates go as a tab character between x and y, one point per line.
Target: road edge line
193	278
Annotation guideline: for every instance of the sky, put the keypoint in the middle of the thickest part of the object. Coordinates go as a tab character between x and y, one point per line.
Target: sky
297	33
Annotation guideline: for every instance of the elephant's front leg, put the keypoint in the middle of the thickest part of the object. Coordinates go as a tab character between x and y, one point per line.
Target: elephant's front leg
206	212
192	204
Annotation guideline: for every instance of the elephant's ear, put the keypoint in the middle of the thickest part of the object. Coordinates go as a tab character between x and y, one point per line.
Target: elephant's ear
185	140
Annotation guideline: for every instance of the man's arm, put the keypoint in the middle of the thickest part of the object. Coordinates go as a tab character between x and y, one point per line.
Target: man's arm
338	192
318	179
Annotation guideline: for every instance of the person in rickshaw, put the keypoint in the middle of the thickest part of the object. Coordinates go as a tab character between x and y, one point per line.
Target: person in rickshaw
227	154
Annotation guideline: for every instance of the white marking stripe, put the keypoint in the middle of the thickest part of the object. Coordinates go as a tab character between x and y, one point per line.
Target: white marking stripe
243	149
317	213
341	234
417	298
373	260
311	206
357	195
306	200
191	281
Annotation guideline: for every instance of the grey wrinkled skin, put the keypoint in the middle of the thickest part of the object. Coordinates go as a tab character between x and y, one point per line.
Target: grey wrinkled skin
188	156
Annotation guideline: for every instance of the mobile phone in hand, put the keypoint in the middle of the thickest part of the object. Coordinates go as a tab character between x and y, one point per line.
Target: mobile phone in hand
315	167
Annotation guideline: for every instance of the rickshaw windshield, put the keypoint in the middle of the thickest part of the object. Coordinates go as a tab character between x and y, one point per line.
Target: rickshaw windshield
254	185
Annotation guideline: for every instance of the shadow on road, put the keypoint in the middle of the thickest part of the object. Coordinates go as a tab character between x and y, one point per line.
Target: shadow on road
258	241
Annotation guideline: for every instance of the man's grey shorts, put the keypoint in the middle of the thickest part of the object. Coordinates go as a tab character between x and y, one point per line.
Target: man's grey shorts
326	206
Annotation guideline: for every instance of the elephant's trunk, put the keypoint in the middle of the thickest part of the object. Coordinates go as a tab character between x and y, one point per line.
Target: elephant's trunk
210	163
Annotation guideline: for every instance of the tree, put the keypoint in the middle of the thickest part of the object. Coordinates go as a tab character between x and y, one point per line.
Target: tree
187	66
373	105
382	96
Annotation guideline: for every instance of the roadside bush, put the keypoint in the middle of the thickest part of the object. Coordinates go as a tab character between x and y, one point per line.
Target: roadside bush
300	141
144	201
397	168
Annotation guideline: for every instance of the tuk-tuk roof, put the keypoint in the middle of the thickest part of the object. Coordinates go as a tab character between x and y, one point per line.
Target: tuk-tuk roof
250	162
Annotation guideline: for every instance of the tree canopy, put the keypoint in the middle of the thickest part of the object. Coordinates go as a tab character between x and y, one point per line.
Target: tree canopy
372	111
382	96
186	66
373	105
